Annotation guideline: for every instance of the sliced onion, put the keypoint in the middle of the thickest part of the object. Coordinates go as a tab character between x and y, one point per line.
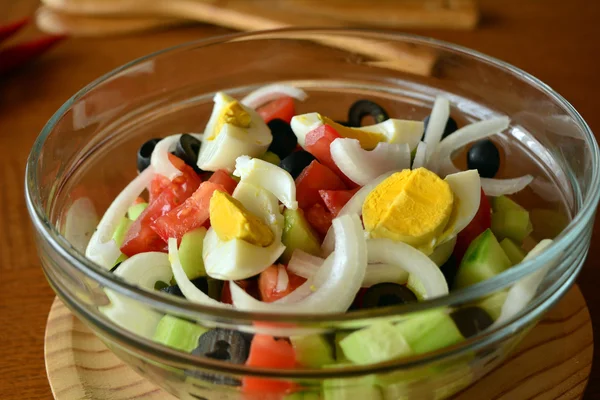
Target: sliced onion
145	269
282	279
304	264
337	291
362	166
437	124
80	223
499	187
272	92
269	177
160	157
102	249
412	261
189	290
420	156
466	135
521	293
310	286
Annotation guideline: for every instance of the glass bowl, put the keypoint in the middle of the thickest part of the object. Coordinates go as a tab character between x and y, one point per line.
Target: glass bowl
85	155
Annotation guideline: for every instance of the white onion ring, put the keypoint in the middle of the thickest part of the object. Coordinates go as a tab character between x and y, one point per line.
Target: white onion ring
282	279
160	157
272	92
499	187
436	125
420	156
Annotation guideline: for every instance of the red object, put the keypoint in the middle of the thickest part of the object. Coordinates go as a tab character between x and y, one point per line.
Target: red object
313	178
358	299
481	222
14	56
222	177
7	31
192	214
266	352
335	200
282	108
157	185
139	200
319	218
318	143
267	284
141	237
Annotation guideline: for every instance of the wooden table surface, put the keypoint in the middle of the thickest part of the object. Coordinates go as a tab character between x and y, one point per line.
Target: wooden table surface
556	40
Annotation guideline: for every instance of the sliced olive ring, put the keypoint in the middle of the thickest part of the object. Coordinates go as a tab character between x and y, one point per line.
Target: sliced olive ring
144	154
387	294
296	162
362	108
471	320
188	148
284	139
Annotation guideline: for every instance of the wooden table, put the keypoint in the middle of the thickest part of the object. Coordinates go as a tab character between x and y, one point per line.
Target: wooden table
558	41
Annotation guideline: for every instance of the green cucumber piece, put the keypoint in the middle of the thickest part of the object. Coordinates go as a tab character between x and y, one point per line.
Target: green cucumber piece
362	387
547	224
298	234
135	210
121	231
190	253
483	259
493	304
512	224
379	342
303	396
429	331
340	357
271	157
514	253
178	333
503	203
416	286
312	350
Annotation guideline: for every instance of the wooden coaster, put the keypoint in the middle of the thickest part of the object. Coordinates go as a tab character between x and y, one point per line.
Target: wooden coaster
553	362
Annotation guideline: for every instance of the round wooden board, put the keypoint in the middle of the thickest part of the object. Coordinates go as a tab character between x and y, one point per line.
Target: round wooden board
553	362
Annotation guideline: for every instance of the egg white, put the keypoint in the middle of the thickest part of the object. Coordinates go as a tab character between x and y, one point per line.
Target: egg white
394	130
237	259
466	186
232	141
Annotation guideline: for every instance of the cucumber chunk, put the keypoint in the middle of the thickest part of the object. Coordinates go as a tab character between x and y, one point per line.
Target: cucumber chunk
121	231
512	224
190	253
135	210
493	304
484	259
178	333
340	357
503	203
429	331
416	286
298	234
312	350
303	396
514	253
381	341
351	388
271	157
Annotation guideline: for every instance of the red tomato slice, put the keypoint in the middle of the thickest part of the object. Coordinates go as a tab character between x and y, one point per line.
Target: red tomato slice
266	352
192	214
222	177
481	222
282	108
267	284
319	218
335	200
313	178
141	237
318	142
161	182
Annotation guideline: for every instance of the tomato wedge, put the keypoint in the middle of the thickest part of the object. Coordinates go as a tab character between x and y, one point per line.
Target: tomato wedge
161	182
481	221
318	142
335	200
192	214
313	178
319	218
266	352
141	237
267	284
223	178
282	108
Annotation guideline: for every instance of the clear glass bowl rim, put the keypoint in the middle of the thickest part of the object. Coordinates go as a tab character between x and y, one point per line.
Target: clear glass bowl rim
176	306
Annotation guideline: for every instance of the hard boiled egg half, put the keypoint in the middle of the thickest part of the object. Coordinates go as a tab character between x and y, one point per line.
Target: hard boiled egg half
232	130
390	131
237	258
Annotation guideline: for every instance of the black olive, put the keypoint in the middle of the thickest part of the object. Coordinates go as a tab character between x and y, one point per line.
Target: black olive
387	294
223	345
451	126
188	148
471	320
145	153
201	283
284	139
485	158
345	123
450	269
362	108
296	162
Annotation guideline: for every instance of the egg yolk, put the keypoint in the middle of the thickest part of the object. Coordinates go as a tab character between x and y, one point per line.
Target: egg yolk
368	140
231	220
232	113
411	206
